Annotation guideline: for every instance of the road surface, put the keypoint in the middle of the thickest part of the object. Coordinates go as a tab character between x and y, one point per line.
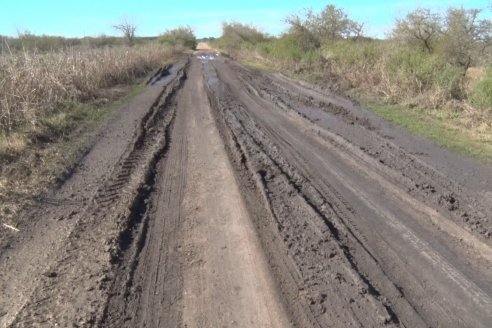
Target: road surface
223	196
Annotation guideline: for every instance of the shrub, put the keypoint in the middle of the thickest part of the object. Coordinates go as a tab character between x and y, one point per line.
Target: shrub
418	72
349	54
240	36
481	95
181	36
287	48
265	48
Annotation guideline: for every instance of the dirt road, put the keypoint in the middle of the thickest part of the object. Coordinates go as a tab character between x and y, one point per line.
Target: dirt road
227	197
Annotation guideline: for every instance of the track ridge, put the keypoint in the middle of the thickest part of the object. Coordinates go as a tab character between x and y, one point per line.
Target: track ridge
134	237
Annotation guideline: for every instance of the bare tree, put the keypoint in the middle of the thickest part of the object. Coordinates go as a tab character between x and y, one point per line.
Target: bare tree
128	29
420	26
356	30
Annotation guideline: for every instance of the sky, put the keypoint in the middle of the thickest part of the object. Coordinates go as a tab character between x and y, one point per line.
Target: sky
76	18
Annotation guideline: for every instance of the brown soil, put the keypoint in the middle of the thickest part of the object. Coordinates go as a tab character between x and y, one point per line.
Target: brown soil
227	197
203	46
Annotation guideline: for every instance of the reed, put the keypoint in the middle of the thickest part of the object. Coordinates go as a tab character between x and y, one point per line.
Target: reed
33	84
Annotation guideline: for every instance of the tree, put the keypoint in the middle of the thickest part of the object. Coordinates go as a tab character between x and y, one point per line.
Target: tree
421	27
332	24
181	36
356	30
235	35
305	38
466	36
128	29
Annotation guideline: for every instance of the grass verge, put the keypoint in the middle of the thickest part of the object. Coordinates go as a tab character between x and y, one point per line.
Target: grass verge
446	129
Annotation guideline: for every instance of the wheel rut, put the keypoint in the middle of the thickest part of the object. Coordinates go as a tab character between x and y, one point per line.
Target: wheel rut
72	292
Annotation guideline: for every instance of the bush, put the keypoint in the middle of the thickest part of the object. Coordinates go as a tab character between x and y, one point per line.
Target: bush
481	95
287	48
181	36
236	36
349	54
419	72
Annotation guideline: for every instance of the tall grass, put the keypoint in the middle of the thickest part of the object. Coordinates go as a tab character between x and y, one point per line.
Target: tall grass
33	84
398	72
50	105
481	93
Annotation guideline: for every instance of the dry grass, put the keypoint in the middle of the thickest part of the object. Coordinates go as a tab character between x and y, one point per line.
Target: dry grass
50	105
33	84
30	167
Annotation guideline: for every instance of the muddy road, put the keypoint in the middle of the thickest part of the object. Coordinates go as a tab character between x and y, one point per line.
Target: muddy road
226	197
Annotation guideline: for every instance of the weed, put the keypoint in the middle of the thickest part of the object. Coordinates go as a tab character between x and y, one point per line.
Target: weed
481	95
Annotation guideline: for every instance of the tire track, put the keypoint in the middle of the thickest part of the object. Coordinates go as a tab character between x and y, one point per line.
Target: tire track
276	143
74	290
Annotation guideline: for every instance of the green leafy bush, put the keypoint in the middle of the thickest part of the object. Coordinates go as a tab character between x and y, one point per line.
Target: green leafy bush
419	72
182	36
286	48
350	54
240	36
481	95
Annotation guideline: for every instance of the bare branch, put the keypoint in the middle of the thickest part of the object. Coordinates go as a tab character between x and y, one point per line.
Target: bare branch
128	29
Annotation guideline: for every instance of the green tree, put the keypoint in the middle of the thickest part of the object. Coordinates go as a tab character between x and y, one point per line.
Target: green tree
332	23
303	36
467	37
235	35
181	36
421	27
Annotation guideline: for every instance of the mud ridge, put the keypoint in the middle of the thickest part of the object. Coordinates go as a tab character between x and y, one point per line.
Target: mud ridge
132	239
159	74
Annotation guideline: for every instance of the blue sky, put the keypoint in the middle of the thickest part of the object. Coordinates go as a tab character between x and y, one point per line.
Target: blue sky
73	18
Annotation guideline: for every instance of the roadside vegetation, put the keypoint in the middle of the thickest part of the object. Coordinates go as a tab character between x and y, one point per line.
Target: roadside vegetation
179	37
434	64
55	93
